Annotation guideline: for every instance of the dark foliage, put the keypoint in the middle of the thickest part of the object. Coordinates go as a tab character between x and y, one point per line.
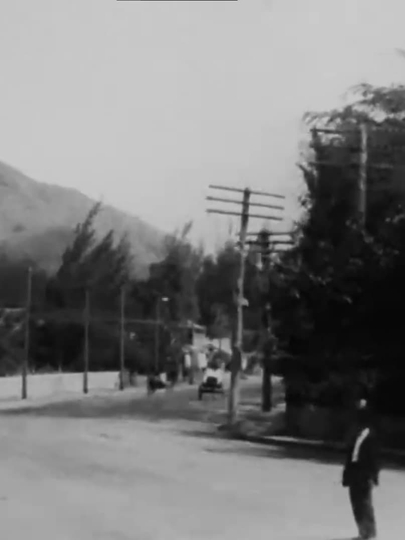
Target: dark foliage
339	299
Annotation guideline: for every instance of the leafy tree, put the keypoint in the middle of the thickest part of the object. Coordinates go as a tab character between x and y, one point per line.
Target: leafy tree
103	266
13	294
221	325
174	277
339	289
217	287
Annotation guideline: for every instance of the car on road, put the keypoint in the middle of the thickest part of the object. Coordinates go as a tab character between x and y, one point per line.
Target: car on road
212	382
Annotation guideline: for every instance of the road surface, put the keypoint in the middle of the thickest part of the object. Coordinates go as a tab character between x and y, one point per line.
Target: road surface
129	479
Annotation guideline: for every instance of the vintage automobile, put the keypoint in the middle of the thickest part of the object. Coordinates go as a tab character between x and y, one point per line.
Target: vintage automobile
212	382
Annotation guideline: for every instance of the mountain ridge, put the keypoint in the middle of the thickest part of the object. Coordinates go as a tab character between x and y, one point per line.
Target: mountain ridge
37	221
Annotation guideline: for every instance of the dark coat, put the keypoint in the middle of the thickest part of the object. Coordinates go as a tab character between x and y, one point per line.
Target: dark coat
367	466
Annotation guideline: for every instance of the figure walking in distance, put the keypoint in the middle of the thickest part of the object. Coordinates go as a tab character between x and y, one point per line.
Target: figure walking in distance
361	473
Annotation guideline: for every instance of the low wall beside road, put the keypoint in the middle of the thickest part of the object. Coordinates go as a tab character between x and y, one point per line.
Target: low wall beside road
42	385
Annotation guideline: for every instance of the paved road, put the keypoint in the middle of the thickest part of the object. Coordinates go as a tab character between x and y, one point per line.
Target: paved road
119	479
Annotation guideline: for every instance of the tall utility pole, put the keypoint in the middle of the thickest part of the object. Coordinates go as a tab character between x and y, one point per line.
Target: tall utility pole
237	326
363	175
157	335
86	341
157	330
237	345
266	247
264	241
122	337
24	371
363	163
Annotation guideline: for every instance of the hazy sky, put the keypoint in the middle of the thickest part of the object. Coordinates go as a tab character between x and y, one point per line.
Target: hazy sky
146	103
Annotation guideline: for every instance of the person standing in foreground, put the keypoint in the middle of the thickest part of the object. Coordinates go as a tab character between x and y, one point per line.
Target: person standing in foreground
361	473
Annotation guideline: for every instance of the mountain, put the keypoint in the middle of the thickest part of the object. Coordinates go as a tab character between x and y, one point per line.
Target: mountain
37	222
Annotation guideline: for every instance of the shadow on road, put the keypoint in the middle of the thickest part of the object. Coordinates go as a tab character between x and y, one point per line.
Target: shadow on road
262	451
170	405
173	404
238	447
178	406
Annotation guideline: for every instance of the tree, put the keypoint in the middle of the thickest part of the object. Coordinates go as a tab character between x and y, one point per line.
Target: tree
216	292
221	325
339	289
13	281
174	277
13	300
216	285
381	109
103	266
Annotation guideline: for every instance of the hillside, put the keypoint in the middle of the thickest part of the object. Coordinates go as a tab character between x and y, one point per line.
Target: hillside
37	221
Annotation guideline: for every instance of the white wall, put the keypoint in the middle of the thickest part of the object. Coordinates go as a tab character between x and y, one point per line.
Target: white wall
56	383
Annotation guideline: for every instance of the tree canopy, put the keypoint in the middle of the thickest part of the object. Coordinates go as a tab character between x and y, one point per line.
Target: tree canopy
100	265
339	299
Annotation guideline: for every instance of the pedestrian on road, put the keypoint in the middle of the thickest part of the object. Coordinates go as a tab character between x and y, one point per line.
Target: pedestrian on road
361	473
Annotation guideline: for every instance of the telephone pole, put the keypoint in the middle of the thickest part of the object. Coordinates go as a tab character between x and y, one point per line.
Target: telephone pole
86	341
237	345
363	162
24	371
122	337
237	327
159	301
265	248
363	175
263	240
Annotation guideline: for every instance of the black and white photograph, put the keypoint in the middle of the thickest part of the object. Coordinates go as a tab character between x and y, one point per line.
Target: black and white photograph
202	256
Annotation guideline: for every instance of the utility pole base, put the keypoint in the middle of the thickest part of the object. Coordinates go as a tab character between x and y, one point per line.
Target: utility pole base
266	390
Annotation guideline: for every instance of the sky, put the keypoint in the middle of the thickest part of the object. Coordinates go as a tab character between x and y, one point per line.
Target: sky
145	104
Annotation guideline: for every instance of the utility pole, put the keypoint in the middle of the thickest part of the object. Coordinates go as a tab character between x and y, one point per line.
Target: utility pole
264	240
157	335
237	345
363	175
237	326
122	337
86	341
157	330
363	163
24	372
267	247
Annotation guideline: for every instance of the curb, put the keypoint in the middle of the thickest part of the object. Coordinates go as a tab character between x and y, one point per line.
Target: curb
308	444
